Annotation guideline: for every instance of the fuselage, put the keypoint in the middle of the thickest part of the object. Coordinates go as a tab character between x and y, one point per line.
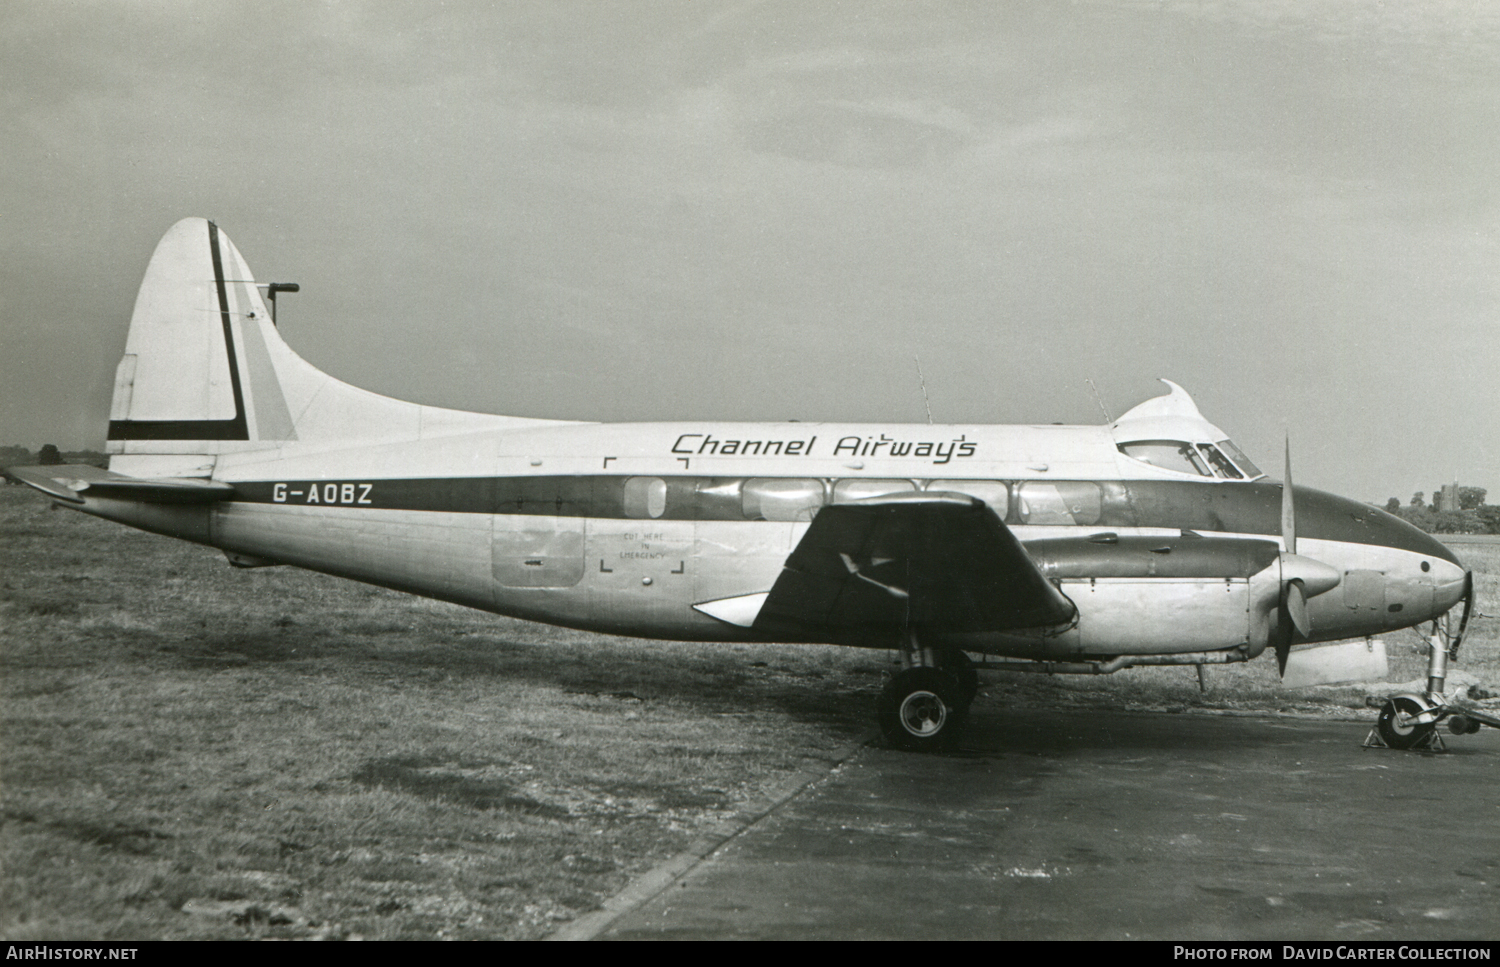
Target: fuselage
626	528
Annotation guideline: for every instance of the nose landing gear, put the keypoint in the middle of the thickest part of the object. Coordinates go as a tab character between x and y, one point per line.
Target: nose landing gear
1410	721
1400	725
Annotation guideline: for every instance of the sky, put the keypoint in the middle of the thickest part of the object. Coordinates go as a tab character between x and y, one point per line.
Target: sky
770	210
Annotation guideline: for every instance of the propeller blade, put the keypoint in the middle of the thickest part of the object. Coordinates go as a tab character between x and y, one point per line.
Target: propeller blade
1283	644
1291	618
1295	596
1288	504
1301	577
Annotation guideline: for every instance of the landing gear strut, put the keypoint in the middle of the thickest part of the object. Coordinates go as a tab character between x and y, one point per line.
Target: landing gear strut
923	707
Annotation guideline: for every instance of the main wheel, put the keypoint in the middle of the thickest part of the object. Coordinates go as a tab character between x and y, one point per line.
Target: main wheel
1395	731
919	710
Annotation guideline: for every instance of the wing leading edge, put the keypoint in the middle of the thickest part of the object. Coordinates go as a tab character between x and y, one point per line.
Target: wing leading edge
940	562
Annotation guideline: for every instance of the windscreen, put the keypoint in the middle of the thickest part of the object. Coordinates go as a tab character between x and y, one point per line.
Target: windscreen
1172	455
1242	461
1219	462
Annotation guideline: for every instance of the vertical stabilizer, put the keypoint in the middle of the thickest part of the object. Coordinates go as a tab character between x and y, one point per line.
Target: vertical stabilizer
205	372
179	379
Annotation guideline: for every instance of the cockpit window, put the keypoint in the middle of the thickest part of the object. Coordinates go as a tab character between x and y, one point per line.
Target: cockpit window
1238	456
1171	455
1219	462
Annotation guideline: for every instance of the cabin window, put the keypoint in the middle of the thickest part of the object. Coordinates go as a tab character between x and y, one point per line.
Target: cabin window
1238	456
845	491
645	497
1219	462
782	498
718	498
1065	502
993	492
1171	455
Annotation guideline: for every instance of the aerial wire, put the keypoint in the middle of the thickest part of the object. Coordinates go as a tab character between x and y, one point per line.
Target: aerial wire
923	380
1100	400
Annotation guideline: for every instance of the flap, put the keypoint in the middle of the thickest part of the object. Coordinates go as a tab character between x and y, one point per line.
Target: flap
935	561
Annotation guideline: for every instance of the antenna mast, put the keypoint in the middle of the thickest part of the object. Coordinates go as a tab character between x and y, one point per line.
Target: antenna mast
1100	400
923	380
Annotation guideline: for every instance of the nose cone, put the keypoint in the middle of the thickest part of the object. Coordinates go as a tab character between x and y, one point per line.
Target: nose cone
1421	583
1449	579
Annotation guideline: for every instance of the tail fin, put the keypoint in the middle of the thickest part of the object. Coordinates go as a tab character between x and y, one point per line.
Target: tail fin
206	373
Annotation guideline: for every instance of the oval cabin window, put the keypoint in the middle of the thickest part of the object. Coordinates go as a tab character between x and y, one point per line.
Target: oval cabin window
645	497
993	492
782	498
1064	502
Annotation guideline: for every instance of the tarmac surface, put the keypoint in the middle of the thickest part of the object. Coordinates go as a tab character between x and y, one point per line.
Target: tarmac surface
1113	825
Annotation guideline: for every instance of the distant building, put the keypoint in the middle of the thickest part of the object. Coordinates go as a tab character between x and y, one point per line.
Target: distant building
1447	498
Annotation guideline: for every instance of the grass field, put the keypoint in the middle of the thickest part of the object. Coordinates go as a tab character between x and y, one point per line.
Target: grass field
193	751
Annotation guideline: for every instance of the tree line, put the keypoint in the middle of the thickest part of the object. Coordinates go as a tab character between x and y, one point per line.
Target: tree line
1473	515
50	456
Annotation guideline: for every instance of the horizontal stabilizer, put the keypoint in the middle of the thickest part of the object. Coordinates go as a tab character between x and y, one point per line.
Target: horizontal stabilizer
74	482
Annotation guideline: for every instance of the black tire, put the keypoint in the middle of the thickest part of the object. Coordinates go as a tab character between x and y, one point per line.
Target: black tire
919	710
1401	735
961	667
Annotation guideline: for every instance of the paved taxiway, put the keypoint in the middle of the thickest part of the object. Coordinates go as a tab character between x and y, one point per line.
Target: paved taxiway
1112	825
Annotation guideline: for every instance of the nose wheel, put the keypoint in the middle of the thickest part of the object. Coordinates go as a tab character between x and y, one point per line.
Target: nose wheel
1398	726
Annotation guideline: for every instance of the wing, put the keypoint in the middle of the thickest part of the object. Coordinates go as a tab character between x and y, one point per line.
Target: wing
72	482
935	561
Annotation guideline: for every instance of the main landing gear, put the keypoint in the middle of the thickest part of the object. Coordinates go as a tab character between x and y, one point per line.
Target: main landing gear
923	707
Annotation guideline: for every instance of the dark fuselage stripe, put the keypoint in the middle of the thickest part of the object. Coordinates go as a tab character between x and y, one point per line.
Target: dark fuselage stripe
1232	508
232	429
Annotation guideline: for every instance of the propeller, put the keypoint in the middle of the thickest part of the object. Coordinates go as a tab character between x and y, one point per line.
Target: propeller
1288	504
1301	577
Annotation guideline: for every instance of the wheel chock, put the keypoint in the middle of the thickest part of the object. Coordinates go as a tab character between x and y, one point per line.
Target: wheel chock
1431	742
